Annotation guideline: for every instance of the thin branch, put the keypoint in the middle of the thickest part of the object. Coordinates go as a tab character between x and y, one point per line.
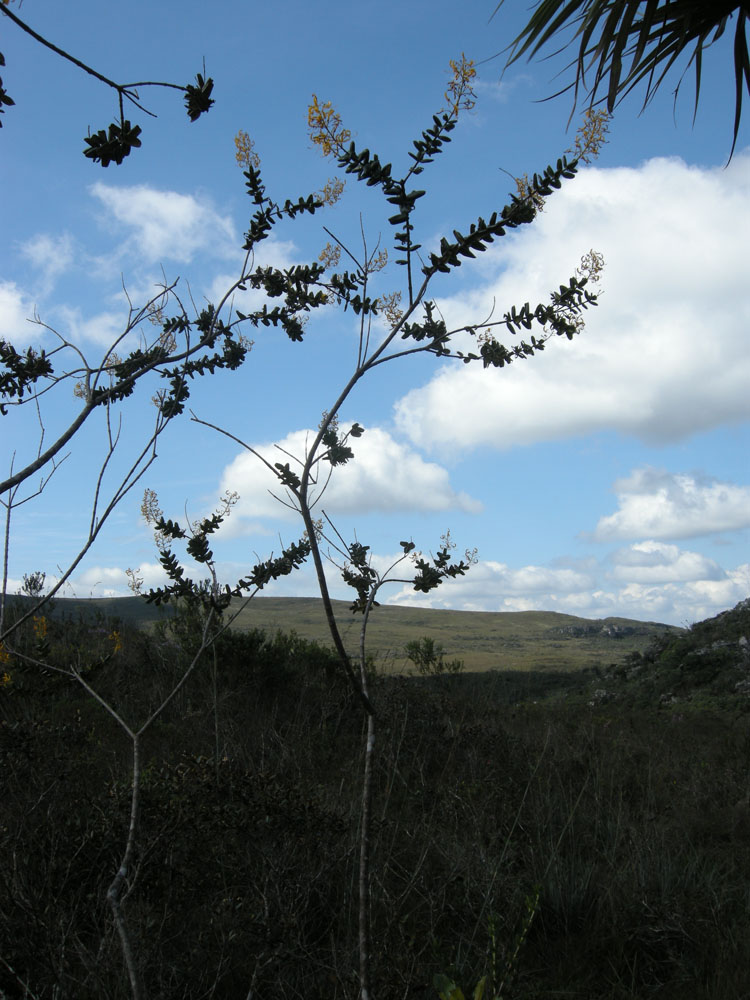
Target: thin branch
123	89
90	405
133	475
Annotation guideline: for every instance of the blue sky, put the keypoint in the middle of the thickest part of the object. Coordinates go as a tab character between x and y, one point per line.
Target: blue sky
608	476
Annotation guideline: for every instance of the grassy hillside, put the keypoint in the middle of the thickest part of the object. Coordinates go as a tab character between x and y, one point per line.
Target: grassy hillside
541	640
525	640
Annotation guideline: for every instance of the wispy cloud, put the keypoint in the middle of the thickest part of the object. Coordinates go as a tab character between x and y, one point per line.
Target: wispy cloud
51	256
501	90
165	225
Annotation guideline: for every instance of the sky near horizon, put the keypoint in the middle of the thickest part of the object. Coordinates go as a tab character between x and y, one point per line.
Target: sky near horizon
608	475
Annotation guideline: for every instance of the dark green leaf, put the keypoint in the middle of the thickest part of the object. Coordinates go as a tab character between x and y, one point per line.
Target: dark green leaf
114	145
198	99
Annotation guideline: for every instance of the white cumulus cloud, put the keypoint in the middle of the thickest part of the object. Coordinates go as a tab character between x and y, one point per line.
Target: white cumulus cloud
385	476
665	353
650	582
113	581
166	225
653	503
494	586
100	581
678	603
16	308
656	562
103	328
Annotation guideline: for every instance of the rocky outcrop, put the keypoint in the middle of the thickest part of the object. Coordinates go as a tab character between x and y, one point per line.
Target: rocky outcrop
710	660
607	629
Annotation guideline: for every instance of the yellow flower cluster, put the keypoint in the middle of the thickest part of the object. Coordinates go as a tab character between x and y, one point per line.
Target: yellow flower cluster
116	639
40	627
331	191
591	266
378	261
151	513
330	256
591	136
5	679
460	95
245	153
525	191
326	127
150	509
135	582
389	306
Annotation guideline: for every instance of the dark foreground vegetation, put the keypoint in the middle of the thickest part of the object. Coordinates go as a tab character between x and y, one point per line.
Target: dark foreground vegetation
528	828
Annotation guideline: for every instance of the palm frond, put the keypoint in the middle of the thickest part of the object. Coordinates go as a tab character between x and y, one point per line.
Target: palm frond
624	42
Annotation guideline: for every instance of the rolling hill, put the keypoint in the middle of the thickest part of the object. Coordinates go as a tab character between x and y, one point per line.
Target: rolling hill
524	640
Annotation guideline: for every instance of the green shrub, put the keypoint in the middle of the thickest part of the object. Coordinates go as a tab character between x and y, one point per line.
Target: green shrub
429	658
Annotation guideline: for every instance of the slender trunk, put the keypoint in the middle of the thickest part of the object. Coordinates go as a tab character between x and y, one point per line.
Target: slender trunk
115	890
6	546
333	628
365	940
364	865
215	693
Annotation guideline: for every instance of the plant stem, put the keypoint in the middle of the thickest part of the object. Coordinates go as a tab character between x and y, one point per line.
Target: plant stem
115	889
